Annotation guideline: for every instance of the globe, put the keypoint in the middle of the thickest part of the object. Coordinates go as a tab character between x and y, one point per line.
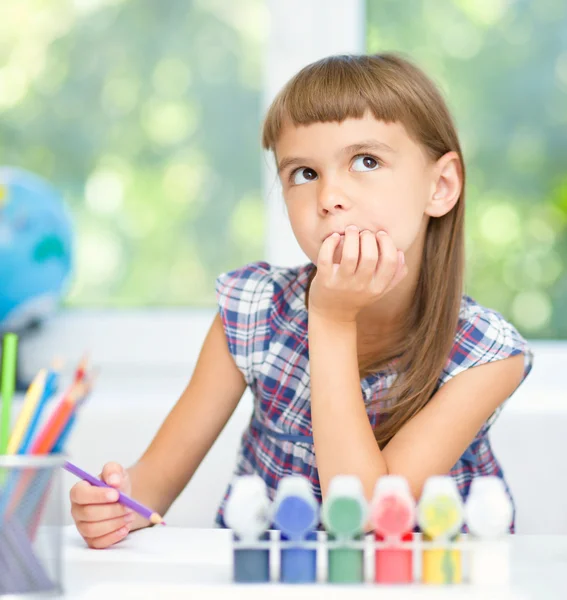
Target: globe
36	249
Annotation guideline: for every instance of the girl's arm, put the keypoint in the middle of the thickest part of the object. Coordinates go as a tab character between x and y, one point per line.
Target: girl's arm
191	427
430	443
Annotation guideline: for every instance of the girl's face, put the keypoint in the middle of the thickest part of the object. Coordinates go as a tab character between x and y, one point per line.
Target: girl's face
361	172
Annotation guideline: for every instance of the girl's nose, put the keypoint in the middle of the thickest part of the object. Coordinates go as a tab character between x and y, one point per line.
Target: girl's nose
332	200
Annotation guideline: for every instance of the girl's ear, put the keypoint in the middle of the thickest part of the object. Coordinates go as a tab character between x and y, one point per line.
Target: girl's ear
447	185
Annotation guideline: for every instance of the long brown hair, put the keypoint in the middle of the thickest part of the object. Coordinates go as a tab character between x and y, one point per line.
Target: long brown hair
394	90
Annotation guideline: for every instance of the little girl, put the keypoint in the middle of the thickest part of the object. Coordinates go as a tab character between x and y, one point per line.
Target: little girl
367	360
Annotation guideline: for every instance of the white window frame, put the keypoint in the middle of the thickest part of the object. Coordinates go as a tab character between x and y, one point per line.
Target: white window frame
168	340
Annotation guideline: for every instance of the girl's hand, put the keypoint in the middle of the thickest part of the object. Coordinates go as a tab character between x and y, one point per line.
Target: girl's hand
98	516
370	267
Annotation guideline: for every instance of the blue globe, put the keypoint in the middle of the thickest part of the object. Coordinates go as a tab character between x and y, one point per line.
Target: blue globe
36	248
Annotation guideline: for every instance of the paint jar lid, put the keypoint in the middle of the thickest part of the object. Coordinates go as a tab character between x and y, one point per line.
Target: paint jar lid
393	506
295	509
488	509
345	508
247	510
392	483
346	485
441	484
440	509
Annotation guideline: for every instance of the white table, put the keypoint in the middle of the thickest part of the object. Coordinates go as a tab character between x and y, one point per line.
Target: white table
170	563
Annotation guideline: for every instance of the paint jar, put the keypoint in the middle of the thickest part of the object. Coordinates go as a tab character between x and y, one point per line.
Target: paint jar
393	517
489	513
344	515
247	513
440	517
295	514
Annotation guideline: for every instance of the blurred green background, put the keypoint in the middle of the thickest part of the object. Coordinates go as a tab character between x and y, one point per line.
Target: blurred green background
502	66
146	115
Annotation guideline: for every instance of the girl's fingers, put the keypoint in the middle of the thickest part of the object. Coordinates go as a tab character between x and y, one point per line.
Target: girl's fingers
368	260
326	253
112	474
388	263
98	512
351	250
85	493
97	529
108	539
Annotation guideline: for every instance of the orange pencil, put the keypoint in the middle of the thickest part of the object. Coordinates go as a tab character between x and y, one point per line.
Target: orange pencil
58	420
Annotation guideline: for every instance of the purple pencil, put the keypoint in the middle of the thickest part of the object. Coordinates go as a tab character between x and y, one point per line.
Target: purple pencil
142	510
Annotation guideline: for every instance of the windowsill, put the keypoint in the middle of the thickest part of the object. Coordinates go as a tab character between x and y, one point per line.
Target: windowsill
164	340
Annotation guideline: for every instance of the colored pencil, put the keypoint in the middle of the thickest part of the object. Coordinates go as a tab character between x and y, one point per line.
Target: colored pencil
32	489
142	510
30	513
48	436
81	369
19	484
9	358
31	400
51	384
80	375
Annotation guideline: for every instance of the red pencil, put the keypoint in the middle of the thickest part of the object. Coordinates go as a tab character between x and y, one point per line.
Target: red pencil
81	369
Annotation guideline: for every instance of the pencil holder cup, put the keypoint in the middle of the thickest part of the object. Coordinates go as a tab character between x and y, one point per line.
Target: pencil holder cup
31	519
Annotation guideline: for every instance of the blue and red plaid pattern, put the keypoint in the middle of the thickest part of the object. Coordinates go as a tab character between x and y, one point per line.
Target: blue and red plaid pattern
265	320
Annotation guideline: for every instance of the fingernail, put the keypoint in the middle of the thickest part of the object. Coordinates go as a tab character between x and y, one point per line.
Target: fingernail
382	232
403	257
352	228
129	518
114	479
112	495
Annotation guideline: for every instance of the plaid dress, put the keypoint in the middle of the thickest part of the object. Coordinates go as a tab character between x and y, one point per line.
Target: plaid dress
265	320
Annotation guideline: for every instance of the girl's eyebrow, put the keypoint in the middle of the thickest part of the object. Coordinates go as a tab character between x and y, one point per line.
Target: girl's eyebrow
364	146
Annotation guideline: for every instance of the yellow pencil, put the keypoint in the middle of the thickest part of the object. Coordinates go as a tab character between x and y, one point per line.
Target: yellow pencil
33	395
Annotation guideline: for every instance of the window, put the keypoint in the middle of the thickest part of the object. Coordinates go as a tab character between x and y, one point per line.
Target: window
145	115
217	178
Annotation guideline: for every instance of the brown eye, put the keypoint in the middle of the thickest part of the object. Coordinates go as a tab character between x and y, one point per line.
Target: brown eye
368	163
308	174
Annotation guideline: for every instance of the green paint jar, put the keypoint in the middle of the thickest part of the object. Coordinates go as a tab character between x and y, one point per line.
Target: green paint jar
344	514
